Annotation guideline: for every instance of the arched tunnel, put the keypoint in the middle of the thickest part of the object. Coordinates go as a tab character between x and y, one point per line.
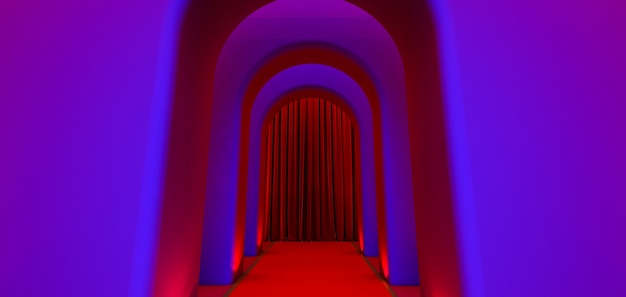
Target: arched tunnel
434	148
281	47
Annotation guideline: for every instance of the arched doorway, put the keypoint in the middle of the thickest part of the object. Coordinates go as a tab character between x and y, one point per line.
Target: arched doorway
333	84
186	116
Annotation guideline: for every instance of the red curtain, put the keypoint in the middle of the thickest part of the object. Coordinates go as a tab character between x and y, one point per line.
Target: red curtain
310	190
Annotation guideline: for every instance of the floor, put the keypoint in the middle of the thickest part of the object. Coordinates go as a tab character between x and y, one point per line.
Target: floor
310	269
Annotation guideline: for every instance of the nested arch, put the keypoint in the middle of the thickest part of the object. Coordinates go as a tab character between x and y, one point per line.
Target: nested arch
355	102
356	32
323	54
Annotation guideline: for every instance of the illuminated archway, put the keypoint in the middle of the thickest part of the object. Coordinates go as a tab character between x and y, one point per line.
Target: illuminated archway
315	53
347	27
166	263
313	76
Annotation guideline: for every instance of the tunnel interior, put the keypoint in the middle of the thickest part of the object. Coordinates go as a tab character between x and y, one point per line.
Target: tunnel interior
231	71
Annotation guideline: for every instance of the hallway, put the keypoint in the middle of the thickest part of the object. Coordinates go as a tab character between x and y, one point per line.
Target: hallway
310	269
486	155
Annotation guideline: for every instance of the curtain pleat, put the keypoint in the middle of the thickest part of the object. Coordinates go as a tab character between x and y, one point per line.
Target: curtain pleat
310	171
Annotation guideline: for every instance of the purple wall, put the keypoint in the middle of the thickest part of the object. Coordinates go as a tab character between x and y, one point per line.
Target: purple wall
76	84
544	91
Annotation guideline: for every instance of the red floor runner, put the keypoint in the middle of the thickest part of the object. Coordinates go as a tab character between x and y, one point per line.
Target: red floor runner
311	269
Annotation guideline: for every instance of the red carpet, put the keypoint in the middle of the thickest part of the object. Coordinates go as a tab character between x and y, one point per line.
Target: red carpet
311	269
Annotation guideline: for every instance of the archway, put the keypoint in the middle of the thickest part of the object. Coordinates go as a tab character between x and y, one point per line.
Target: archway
324	77
205	27
398	247
310	172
